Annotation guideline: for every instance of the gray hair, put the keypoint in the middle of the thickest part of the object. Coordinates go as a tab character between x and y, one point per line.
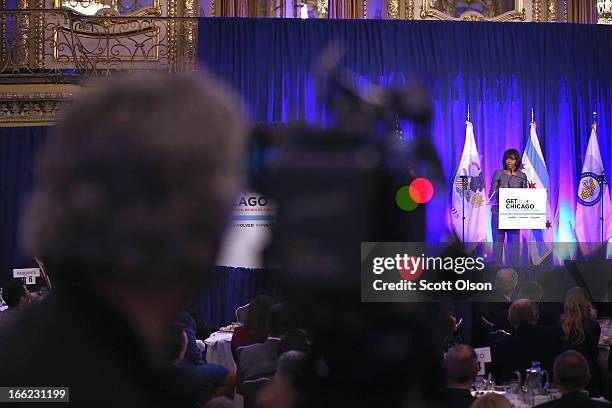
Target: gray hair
137	181
506	280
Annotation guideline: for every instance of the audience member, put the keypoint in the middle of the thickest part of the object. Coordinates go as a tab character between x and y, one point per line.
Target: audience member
294	339
529	342
494	309
282	391
254	329
214	380
491	401
579	331
571	371
219	402
117	215
461	368
178	347
531	290
259	360
18	298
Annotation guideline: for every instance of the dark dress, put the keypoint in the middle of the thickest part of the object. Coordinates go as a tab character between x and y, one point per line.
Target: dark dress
589	348
503	180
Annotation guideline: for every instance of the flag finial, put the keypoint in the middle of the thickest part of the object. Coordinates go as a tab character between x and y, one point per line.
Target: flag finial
468	112
532	116
594	117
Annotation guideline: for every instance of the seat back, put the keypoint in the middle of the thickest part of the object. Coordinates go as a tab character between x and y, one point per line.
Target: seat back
241	313
250	388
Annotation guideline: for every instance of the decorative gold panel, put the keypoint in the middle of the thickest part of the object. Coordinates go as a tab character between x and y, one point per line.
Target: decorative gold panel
473	10
399	9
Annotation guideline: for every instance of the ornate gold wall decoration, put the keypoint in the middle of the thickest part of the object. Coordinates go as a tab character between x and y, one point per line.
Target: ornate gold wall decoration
536	11
393	9
553	11
464	10
410	9
17	109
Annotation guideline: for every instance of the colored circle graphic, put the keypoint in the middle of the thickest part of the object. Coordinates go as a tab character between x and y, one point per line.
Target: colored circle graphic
421	190
404	200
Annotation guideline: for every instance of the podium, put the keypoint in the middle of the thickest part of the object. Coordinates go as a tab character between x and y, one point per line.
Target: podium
522	208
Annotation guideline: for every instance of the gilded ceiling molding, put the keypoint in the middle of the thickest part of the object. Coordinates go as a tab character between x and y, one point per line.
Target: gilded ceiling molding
553	12
3	55
172	36
393	9
517	14
23	26
409	9
33	108
536	11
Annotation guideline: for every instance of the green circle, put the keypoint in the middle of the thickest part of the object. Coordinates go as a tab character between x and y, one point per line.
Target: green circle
403	199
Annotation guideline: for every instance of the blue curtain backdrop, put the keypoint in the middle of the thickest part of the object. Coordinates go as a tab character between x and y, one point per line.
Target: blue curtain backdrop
229	288
18	147
562	71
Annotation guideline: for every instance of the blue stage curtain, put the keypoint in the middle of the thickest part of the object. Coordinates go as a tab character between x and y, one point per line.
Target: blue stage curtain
231	288
18	148
562	71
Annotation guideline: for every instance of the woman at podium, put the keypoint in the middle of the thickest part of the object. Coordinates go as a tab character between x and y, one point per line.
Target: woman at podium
510	176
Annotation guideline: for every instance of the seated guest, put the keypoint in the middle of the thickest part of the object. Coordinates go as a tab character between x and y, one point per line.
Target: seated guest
178	347
220	402
117	216
580	332
571	371
254	329
549	311
529	342
294	340
531	290
17	298
283	391
259	360
461	368
491	401
214	380
494	309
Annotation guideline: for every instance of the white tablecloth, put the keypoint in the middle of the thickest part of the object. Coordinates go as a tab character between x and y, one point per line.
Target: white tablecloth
219	351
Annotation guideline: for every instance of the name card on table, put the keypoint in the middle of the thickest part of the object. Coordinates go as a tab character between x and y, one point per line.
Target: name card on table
29	274
484	356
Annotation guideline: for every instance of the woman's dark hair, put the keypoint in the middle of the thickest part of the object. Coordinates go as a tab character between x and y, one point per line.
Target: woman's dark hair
257	317
512	153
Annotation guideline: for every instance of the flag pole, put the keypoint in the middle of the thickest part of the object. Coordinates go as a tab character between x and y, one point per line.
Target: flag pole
463	188
602	183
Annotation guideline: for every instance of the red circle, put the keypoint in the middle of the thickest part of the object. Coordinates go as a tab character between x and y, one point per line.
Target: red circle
421	190
408	271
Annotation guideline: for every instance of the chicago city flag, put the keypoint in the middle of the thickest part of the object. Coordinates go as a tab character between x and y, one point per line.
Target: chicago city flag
592	195
539	242
469	200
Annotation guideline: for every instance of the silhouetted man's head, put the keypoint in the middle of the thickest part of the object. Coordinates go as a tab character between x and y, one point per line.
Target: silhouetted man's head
136	184
461	366
571	371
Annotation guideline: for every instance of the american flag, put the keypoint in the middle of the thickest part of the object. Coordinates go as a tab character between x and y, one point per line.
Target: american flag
459	183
